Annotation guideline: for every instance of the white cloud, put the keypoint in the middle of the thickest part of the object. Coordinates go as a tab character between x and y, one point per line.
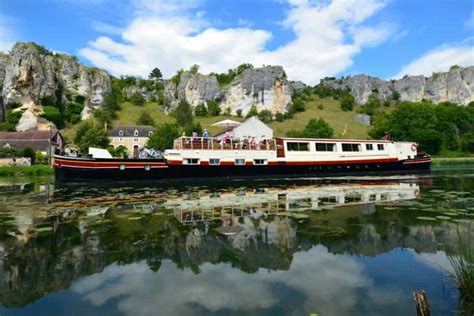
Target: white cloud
470	22
441	59
167	34
7	35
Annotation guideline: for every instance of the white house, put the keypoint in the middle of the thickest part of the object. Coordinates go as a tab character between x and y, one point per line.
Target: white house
251	127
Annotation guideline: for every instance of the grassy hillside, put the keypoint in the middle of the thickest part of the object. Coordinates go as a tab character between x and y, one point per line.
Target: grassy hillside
339	120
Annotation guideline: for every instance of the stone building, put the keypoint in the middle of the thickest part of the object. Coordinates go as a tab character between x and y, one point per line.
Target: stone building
133	137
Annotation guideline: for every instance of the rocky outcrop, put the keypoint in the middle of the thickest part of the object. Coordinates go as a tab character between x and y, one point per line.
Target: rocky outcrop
266	88
32	73
455	85
363	119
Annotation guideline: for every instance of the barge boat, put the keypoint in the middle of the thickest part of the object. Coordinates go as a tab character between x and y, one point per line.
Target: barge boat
209	157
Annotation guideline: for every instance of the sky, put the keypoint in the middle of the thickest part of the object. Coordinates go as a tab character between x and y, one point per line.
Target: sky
311	39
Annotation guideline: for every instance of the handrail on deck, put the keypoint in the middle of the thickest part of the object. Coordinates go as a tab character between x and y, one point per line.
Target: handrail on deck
213	143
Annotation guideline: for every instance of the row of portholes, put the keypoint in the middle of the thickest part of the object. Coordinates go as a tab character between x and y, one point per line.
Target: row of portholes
340	167
122	167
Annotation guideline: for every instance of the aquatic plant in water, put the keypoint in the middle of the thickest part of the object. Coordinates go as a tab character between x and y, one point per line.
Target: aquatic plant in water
463	276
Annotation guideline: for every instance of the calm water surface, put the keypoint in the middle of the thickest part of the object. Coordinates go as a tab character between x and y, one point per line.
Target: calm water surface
357	246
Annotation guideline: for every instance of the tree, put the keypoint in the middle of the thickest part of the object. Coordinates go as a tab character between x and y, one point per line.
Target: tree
120	151
163	137
200	110
316	128
265	116
253	111
145	118
373	105
29	153
155	74
193	127
239	112
297	106
176	78
242	67
90	135
347	102
194	69
213	108
52	114
184	113
137	99
280	117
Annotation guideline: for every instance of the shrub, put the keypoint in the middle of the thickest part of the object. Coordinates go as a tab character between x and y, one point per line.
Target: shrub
320	107
213	108
253	111
316	128
90	135
280	117
137	99
200	110
347	102
176	78
163	136
79	99
29	153
193	127
184	114
239	112
265	116
119	152
145	119
194	69
52	114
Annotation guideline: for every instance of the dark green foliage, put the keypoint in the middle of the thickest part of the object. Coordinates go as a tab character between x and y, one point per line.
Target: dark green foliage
193	127
242	67
200	110
90	134
228	111
265	116
194	69
47	101
226	78
73	111
176	78
253	111
137	99
316	128
297	106
280	117
454	67
119	152
213	108
79	99
442	127
107	113
320	107
239	112
12	118
347	102
145	119
163	137
324	92
155	74
395	95
372	106
28	153
52	114
184	113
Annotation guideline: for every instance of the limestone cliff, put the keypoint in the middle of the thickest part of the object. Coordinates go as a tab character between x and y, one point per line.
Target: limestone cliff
29	73
455	85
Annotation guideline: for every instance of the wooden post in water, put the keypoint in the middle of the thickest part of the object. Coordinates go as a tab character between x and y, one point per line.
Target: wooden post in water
421	303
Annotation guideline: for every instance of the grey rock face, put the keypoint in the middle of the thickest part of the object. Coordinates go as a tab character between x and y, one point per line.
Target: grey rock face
297	85
3	64
455	85
363	119
31	73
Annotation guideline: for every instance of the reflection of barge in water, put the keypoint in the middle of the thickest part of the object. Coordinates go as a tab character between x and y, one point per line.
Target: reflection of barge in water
207	157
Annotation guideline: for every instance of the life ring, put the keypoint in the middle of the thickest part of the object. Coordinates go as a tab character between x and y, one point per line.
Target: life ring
413	147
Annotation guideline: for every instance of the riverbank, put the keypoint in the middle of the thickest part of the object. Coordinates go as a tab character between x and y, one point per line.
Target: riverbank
22	171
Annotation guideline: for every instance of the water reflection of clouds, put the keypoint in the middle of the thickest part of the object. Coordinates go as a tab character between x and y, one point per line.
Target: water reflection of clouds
317	275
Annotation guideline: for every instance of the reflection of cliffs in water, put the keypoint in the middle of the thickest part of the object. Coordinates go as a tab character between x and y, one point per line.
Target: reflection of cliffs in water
90	238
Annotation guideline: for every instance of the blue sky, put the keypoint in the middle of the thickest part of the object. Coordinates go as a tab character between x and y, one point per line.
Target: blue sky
311	39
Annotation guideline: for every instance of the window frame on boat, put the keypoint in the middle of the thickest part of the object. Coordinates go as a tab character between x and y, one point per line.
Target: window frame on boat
324	147
260	162
369	147
239	160
191	161
380	147
352	146
300	146
212	161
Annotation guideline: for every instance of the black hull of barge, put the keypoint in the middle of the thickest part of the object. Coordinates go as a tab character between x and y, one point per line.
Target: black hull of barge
176	172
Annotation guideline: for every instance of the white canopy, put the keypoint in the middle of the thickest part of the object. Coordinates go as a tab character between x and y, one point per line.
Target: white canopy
226	123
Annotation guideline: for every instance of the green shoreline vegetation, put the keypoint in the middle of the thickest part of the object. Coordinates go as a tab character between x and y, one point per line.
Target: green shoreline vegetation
26	171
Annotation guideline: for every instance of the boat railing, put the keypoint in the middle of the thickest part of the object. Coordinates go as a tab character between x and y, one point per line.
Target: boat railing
213	143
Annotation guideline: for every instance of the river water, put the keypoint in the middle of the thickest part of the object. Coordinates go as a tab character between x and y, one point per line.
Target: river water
339	246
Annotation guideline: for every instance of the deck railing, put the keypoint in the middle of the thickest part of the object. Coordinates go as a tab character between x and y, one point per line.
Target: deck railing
212	143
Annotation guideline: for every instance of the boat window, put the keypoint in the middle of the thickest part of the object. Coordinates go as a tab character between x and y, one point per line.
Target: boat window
369	146
191	161
325	147
260	161
214	161
297	146
240	162
350	147
380	147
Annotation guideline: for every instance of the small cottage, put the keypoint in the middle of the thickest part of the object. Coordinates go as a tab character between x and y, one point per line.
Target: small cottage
251	127
37	140
133	137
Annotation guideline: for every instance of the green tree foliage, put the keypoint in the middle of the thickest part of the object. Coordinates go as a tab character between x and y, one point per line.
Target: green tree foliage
28	153
239	112
442	127
184	113
226	78
316	128
213	108
11	119
52	114
90	134
163	136
145	118
373	105
155	74
118	152
242	67
176	78
297	106
137	99
280	117
265	116
395	95
200	110
194	69
73	111
193	127
347	102
253	111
